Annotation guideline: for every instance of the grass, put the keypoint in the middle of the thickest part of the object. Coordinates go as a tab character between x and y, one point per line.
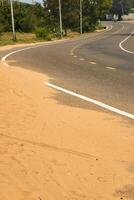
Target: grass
6	38
73	34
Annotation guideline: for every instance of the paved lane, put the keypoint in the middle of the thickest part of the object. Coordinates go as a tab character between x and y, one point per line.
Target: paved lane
93	66
107	52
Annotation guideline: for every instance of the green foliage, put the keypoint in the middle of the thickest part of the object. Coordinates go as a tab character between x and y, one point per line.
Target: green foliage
27	17
42	33
131	6
5	17
120	7
1	29
92	11
33	18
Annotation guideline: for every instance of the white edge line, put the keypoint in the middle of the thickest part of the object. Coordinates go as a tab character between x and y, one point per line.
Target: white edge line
93	63
36	46
120	45
109	29
112	68
31	47
102	105
81	59
13	52
77	46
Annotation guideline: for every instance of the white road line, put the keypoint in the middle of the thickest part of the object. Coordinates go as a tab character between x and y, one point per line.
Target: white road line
109	29
6	65
13	52
121	43
31	47
93	63
112	68
100	104
77	46
75	56
81	59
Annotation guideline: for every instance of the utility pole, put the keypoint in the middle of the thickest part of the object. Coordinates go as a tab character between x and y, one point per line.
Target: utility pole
60	15
12	16
81	20
2	3
122	7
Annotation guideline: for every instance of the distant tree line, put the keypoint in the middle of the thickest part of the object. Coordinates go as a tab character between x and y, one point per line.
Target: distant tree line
121	7
30	17
27	17
92	10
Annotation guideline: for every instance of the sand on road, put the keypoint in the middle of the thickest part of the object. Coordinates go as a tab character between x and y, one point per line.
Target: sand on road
53	149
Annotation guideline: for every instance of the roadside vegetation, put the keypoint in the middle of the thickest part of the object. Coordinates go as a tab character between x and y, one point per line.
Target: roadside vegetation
38	23
121	7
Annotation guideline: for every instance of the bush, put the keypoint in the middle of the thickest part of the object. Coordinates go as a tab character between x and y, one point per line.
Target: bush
0	33
42	33
1	30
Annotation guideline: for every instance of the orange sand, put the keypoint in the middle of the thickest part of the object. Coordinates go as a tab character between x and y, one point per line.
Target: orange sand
53	151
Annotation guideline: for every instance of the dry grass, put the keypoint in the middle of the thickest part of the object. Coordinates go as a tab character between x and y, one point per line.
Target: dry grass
73	34
6	38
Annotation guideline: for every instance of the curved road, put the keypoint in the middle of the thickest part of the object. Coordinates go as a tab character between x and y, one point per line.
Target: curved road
93	65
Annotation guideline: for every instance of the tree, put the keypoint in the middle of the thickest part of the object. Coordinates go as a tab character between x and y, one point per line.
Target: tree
131	5
92	10
119	8
5	17
70	13
27	17
30	17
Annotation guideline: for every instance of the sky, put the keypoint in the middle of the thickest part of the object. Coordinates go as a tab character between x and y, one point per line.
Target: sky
30	1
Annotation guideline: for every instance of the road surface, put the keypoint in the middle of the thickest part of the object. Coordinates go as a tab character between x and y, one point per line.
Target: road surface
96	66
69	148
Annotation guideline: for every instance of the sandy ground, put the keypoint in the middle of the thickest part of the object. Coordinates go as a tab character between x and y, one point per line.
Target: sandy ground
53	151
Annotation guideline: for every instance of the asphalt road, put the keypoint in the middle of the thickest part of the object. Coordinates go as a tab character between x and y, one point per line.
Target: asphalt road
92	65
